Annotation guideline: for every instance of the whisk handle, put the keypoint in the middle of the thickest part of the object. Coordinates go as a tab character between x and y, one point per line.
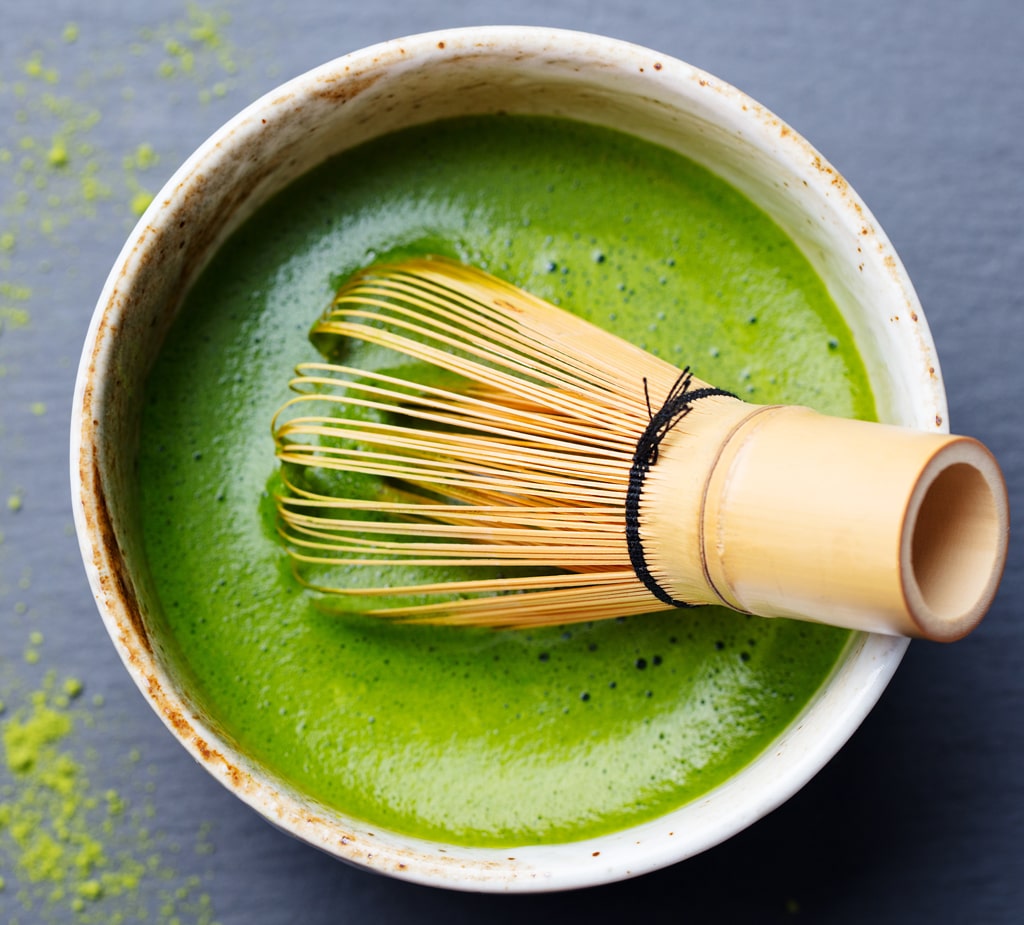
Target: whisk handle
855	524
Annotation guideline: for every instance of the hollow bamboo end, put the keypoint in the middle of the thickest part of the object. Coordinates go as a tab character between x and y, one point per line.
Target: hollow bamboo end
860	525
954	542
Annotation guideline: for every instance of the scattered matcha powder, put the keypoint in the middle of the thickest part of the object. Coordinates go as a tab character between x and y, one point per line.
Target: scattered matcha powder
144	158
140	202
35	68
69	850
196	49
71	847
52	156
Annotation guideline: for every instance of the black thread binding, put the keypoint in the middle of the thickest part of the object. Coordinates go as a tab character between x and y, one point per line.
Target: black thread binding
675	407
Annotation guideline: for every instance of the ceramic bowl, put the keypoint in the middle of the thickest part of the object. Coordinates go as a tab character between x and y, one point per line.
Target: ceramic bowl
387	87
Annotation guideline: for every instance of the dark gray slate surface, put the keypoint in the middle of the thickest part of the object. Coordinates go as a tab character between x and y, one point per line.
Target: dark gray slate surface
919	105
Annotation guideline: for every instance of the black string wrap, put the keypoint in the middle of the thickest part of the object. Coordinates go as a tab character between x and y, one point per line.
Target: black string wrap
676	406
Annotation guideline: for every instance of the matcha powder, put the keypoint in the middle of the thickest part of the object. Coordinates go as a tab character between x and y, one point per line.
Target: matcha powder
75	851
73	848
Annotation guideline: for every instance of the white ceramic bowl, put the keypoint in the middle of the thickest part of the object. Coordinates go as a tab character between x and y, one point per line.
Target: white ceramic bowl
413	80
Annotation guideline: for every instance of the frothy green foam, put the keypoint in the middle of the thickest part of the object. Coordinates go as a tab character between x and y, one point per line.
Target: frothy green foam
475	736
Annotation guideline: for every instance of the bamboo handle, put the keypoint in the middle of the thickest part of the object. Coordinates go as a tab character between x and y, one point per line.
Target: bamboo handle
854	524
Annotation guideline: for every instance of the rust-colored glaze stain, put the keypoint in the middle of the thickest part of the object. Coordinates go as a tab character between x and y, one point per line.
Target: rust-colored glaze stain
115	577
342	91
835	178
180	724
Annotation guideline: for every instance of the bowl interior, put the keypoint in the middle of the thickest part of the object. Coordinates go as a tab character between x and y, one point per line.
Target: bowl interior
421	79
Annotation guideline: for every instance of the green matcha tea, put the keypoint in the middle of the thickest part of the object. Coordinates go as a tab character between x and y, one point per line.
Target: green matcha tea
474	736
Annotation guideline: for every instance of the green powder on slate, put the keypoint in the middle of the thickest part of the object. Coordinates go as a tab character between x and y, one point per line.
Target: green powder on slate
68	846
72	849
53	153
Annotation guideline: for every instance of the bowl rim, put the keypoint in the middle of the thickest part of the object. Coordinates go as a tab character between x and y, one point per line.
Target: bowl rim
802	750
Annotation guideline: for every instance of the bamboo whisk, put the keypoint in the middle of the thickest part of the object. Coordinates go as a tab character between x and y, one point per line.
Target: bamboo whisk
573	476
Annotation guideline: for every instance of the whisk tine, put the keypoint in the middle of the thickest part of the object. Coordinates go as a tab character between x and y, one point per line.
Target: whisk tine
480	321
533	601
482	409
523	459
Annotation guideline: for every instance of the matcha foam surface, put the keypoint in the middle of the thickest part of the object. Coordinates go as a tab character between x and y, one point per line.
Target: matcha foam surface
475	736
